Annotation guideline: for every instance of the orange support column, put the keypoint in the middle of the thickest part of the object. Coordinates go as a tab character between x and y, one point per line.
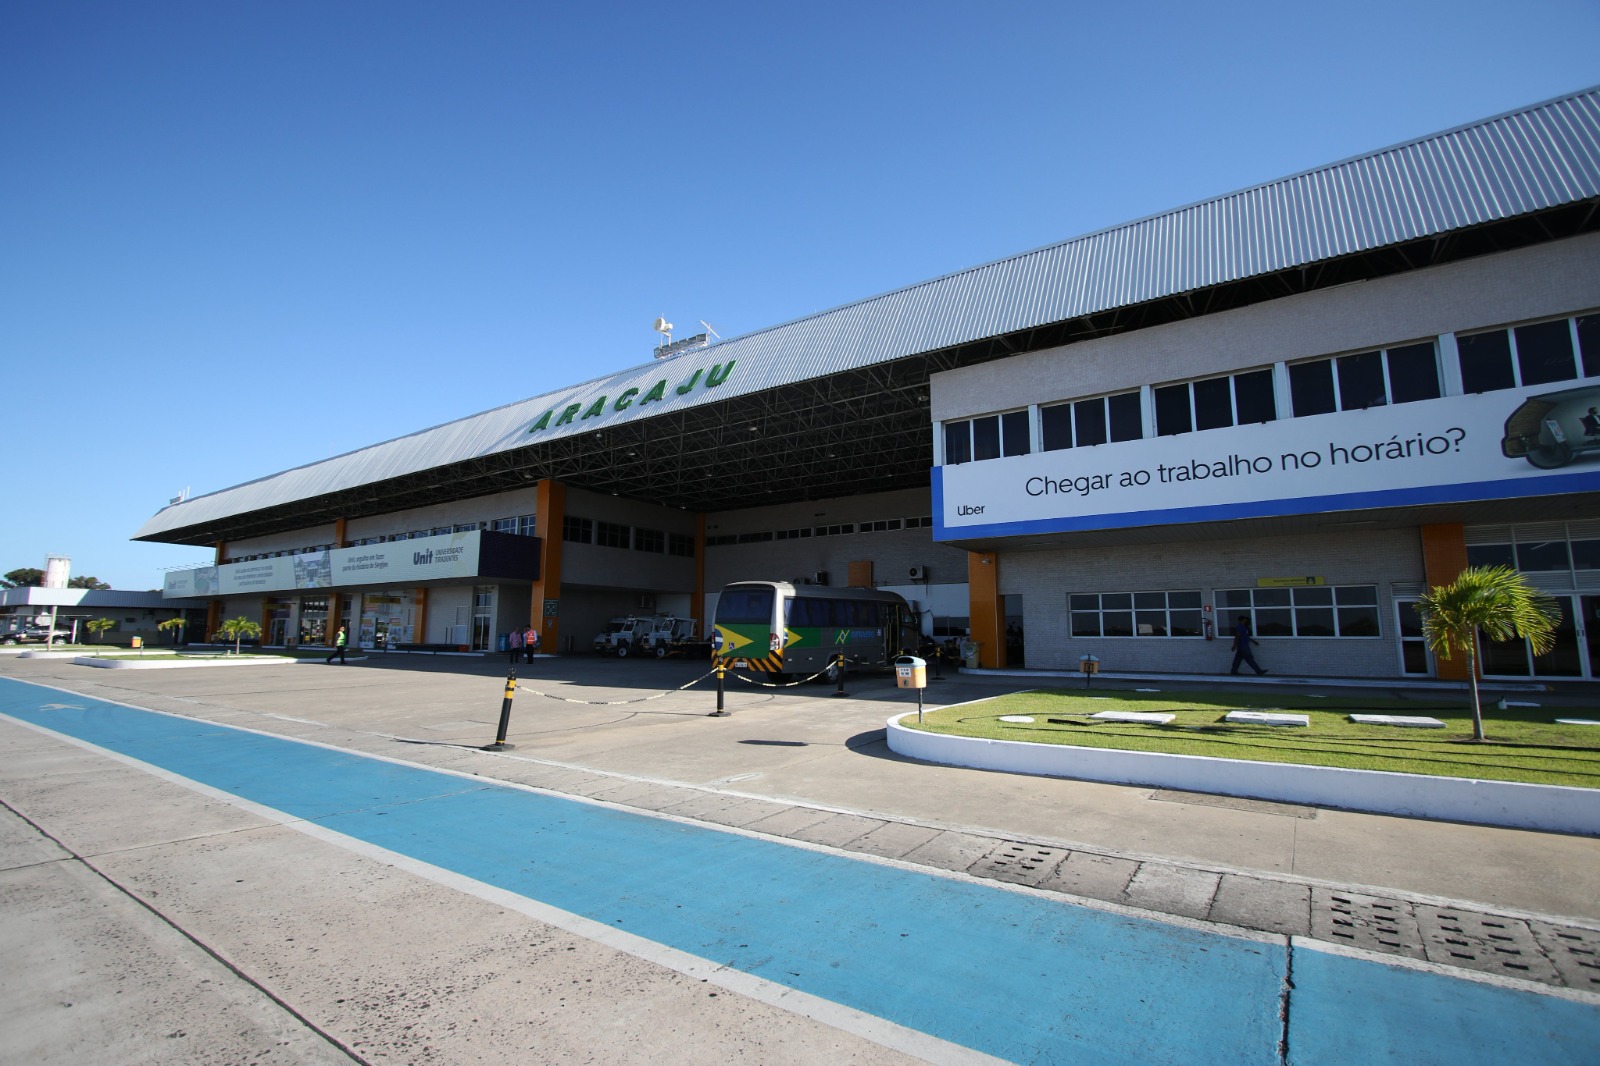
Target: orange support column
214	608
984	608
1444	556
545	608
697	598
419	620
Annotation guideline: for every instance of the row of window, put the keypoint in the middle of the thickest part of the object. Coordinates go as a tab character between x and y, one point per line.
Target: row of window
522	525
1308	611
1535	354
882	525
604	534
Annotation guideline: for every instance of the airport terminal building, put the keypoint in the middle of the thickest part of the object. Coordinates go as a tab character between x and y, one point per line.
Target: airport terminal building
1302	403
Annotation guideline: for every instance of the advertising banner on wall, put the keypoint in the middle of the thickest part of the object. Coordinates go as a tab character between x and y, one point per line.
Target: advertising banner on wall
445	557
1531	441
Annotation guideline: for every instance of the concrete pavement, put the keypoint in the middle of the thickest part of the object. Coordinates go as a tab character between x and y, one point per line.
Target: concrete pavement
798	764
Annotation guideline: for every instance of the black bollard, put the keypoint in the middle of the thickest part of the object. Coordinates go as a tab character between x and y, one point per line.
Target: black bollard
505	716
722	669
840	691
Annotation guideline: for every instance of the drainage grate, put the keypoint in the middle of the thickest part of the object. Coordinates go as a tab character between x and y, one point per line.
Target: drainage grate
1488	942
1369	922
1575	953
1024	864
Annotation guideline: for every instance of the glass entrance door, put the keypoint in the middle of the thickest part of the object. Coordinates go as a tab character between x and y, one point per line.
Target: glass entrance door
1415	659
1573	654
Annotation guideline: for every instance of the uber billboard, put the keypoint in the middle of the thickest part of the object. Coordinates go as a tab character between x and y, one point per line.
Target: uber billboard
1531	441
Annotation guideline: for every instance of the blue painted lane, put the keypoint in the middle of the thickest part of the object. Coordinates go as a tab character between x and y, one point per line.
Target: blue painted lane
1018	977
1349	1010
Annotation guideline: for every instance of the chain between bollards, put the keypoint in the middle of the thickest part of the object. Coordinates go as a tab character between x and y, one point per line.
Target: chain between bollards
505	716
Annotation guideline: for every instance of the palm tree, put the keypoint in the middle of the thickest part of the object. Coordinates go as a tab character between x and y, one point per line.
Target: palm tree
98	626
236	629
176	623
1496	601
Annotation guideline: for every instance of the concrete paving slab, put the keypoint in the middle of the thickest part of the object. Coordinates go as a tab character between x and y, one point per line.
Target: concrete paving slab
838	831
1406	721
1093	876
91	976
22	845
1372	923
1263	903
1267	718
951	850
1170	889
789	821
738	813
893	840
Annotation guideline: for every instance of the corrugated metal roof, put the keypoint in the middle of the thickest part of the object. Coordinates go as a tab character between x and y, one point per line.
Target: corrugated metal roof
1520	162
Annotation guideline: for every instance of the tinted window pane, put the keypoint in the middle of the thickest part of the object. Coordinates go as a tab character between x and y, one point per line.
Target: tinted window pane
986	437
1055	427
1213	404
1089	422
1186	623
1361	381
1014	432
1152	623
1085	623
1413	374
1118	623
1252	394
1119	600
1358	621
1311	388
1315	596
1586	555
1542	555
1589	344
1354	594
1081	602
1544	353
1490	555
1235	598
1183	599
1273	623
745	605
957	442
1172	410
1127	421
1150	600
1314	621
1272	597
1486	362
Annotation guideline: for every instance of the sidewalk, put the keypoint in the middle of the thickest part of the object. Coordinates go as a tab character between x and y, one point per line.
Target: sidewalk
801	765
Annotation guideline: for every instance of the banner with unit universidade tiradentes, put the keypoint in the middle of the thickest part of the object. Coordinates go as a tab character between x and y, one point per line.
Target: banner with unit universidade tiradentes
447	556
1528	441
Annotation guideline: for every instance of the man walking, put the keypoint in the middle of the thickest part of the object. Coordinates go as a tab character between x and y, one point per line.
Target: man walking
1241	646
338	648
530	642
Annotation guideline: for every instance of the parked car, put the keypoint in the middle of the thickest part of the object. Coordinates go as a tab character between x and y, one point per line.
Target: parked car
36	635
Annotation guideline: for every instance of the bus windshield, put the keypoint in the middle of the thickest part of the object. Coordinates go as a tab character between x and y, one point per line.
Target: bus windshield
749	605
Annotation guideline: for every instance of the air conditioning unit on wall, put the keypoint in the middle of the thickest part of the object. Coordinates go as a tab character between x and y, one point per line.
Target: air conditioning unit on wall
647	601
918	573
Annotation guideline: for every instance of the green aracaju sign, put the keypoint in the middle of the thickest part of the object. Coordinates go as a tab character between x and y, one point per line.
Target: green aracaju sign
577	412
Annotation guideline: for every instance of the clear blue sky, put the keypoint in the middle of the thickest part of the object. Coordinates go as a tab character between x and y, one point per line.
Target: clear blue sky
241	237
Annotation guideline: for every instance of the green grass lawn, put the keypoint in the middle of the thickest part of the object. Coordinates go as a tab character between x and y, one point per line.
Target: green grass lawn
1525	744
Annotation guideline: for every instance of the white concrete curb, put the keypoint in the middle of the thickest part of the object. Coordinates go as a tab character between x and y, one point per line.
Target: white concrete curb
1555	808
176	664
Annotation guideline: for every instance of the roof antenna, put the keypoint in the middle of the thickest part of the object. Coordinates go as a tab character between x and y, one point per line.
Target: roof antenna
709	330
